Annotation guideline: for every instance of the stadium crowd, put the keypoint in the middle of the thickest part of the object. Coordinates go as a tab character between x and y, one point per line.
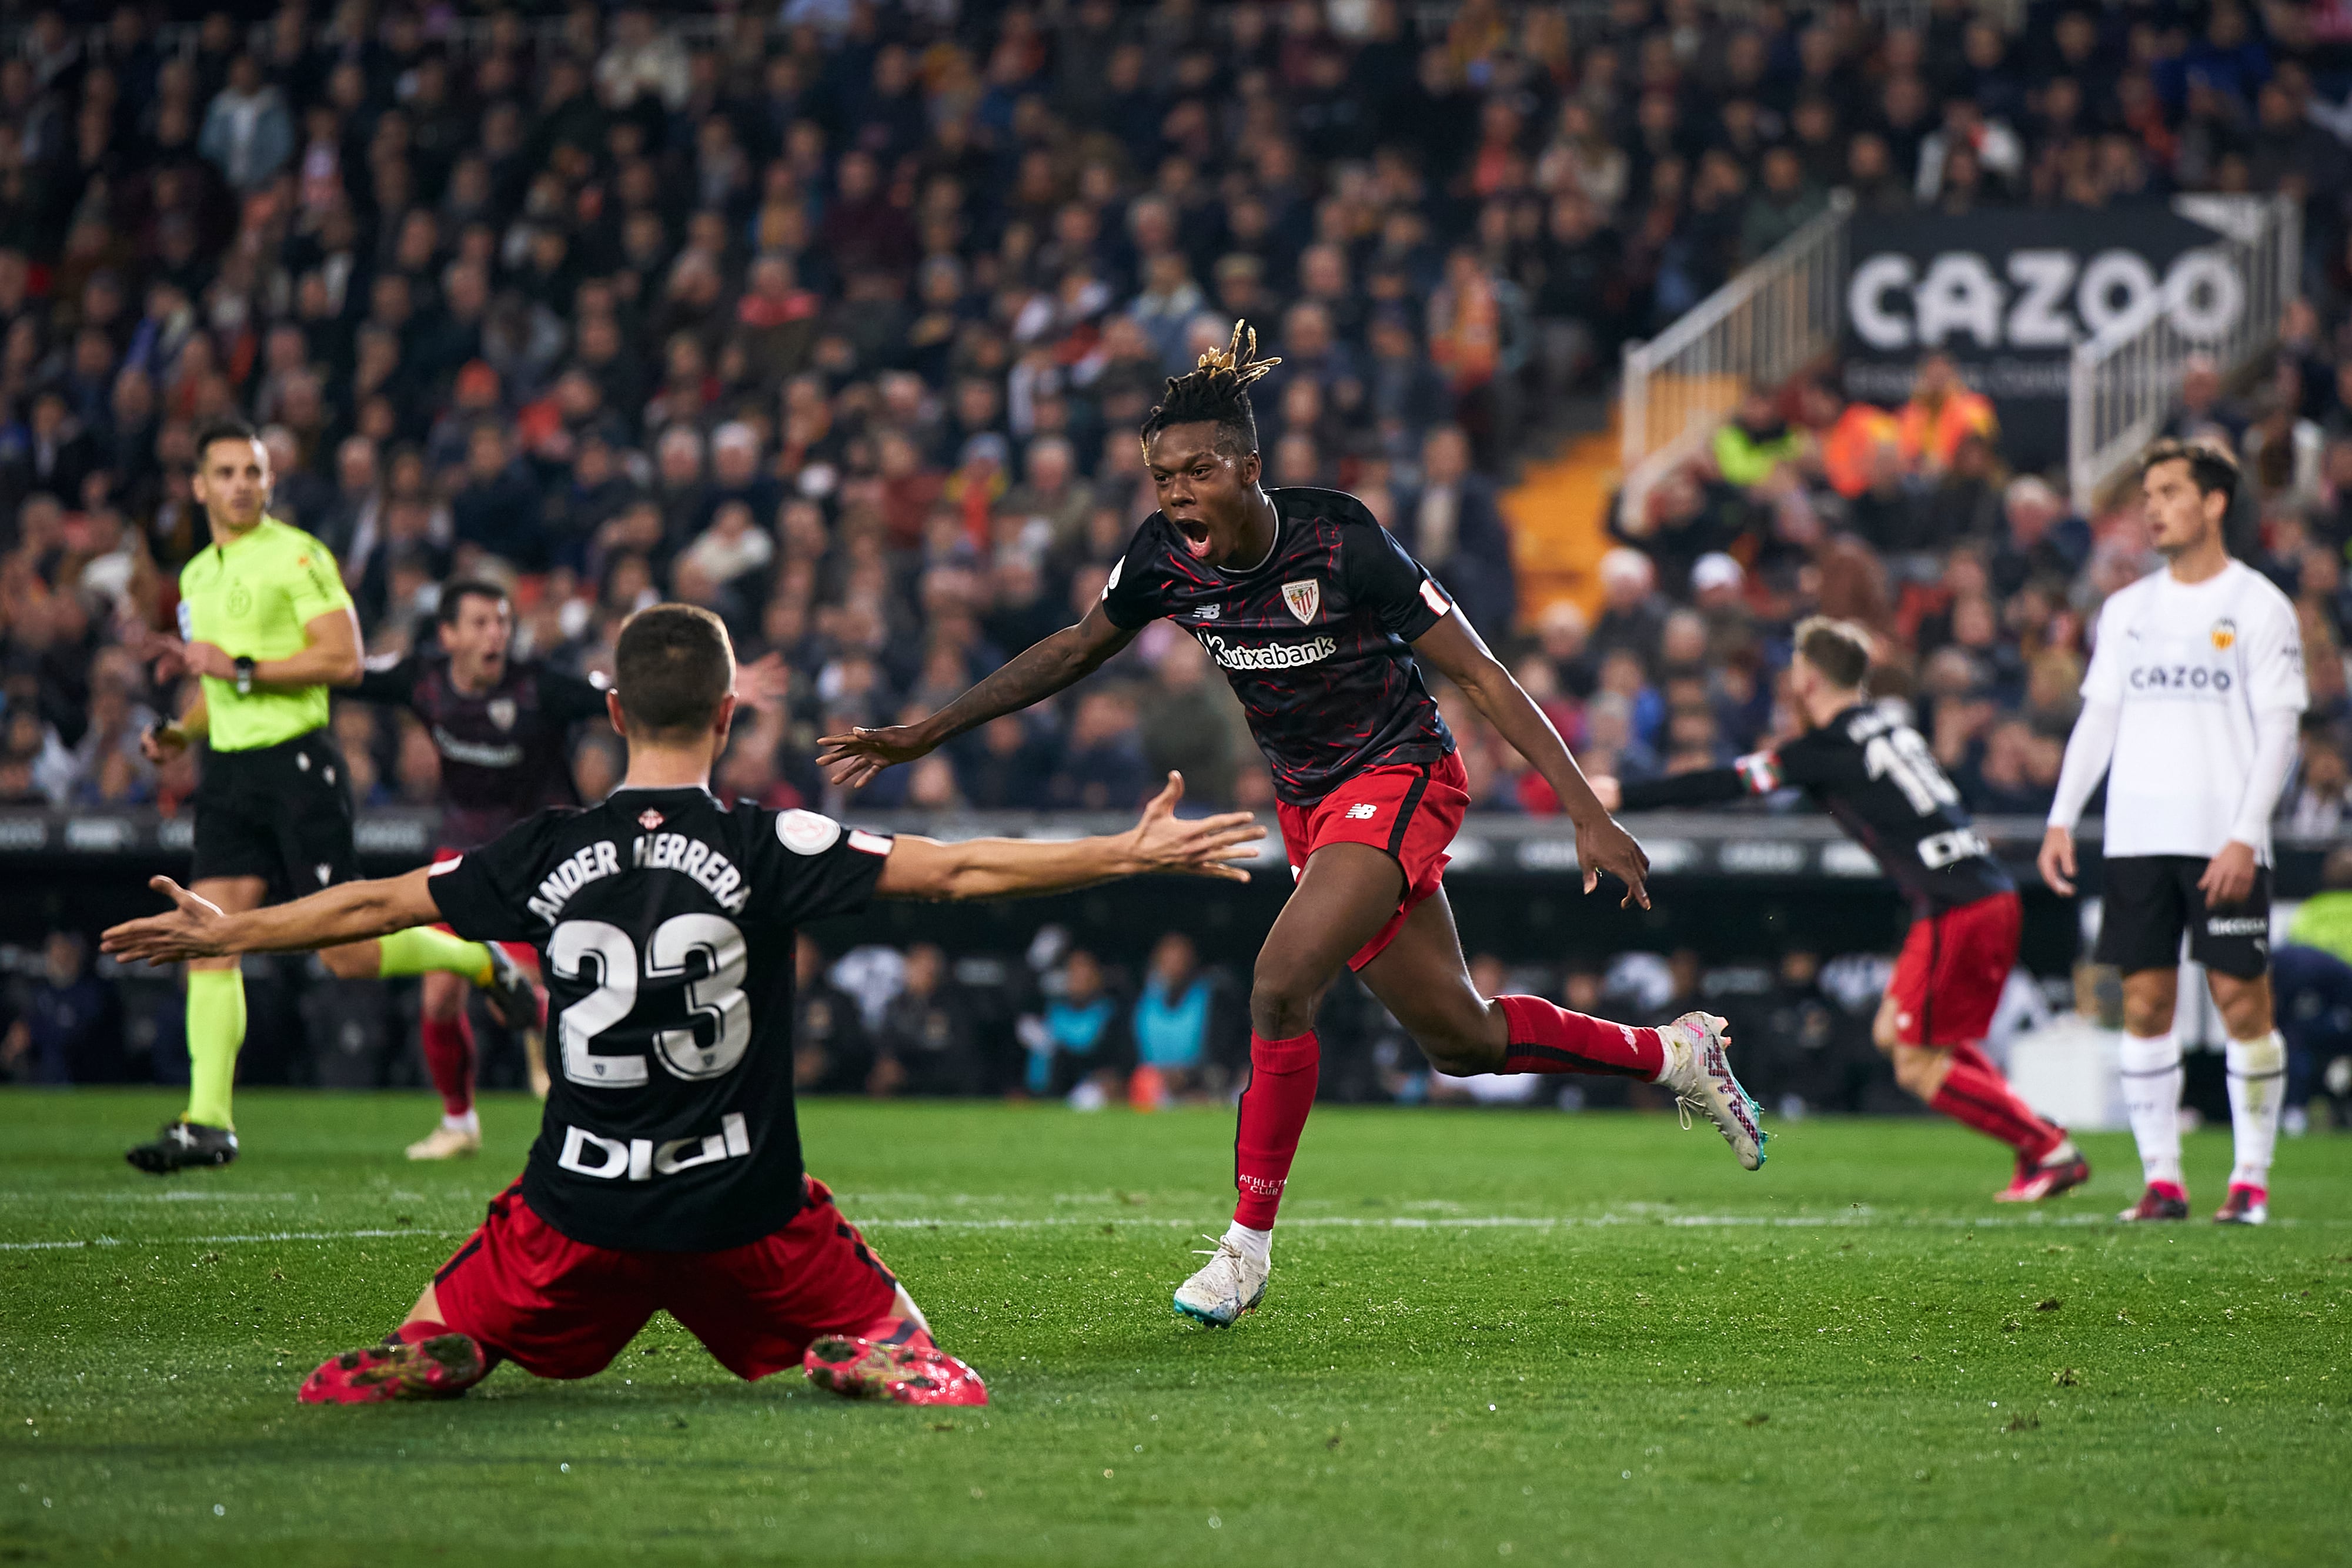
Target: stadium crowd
840	318
839	322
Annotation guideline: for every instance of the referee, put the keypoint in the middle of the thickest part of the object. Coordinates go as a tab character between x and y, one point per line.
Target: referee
266	622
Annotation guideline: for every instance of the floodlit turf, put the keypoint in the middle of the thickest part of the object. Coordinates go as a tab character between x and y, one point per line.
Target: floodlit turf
1490	1337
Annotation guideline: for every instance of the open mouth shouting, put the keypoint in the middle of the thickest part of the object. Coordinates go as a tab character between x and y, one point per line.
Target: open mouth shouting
1195	533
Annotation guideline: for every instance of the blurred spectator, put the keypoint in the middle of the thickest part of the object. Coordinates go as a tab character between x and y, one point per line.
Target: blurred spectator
1942	412
69	1024
926	1043
1755	442
1079	1046
1174	1019
1102	767
1454	527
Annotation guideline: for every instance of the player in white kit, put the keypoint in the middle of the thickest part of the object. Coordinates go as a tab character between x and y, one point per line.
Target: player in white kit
2189	708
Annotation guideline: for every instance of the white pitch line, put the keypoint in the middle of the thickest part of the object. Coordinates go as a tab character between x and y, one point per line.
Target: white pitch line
218	1240
1303	1222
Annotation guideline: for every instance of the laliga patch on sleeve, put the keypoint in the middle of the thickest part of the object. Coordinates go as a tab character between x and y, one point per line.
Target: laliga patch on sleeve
1434	596
443	868
806	832
1112	581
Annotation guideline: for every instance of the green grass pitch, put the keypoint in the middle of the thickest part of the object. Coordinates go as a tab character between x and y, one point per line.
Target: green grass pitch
1491	1338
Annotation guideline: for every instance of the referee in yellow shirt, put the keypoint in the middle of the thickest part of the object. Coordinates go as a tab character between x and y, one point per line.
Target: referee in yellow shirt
266	622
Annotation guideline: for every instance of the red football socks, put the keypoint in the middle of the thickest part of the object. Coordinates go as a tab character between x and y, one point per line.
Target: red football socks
1546	1038
1273	1114
449	1060
1977	1095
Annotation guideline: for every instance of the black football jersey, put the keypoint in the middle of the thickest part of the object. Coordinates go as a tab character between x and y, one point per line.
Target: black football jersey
1314	639
503	752
664	923
1878	777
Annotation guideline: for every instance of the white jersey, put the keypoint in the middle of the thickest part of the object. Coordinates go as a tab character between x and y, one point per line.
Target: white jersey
2189	665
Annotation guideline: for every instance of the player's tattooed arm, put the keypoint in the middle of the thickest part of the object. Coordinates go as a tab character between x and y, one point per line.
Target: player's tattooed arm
198	928
1454	646
1047	666
1007	868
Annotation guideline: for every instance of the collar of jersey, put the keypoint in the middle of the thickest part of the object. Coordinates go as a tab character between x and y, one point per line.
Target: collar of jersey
663	790
1271	551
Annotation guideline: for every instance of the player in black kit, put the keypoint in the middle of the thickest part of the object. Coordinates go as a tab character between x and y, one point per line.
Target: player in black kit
502	727
667	1171
1319	619
1878	777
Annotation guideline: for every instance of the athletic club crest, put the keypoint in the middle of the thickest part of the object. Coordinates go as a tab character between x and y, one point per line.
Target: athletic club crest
1304	599
501	711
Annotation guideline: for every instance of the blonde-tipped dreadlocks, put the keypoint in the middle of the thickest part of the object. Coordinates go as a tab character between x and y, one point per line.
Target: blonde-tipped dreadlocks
1217	392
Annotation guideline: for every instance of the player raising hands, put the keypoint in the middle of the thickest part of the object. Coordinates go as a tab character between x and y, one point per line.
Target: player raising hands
667	1171
1319	619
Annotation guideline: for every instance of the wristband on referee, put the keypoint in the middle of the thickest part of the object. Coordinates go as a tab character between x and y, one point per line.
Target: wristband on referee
244	676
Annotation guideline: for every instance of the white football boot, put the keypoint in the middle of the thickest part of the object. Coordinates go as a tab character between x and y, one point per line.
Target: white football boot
1700	1078
1228	1284
447	1143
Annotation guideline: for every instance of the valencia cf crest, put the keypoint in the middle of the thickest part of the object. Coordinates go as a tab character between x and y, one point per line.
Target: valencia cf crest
2224	633
1304	599
650	819
501	711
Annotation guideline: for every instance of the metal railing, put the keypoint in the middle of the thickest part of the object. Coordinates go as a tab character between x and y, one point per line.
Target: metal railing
1768	322
2123	382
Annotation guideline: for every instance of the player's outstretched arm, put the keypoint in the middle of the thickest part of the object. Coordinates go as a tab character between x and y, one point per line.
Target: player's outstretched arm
1045	667
1454	646
1006	868
199	928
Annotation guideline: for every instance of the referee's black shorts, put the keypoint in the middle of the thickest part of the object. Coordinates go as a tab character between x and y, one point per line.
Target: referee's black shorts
280	812
2150	900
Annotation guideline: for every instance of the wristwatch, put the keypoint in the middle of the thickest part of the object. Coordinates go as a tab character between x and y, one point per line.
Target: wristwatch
244	676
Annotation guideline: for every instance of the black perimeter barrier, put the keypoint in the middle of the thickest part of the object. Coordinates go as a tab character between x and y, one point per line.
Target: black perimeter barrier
1734	886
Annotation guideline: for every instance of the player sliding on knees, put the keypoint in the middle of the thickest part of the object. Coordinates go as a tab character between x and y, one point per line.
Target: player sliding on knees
1318	618
1877	778
2193	694
667	1171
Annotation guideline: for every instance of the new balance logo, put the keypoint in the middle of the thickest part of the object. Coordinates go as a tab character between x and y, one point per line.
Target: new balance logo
1363	813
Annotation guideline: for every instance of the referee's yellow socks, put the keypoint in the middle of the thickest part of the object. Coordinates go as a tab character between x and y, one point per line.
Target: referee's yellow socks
216	1030
421	947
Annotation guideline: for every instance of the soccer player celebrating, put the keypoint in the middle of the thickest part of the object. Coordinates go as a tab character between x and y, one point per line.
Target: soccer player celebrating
667	1174
2189	711
1317	616
265	621
1877	778
500	724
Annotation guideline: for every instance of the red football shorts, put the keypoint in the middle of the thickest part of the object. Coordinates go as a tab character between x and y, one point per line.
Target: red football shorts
1412	810
522	953
1949	979
560	1308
